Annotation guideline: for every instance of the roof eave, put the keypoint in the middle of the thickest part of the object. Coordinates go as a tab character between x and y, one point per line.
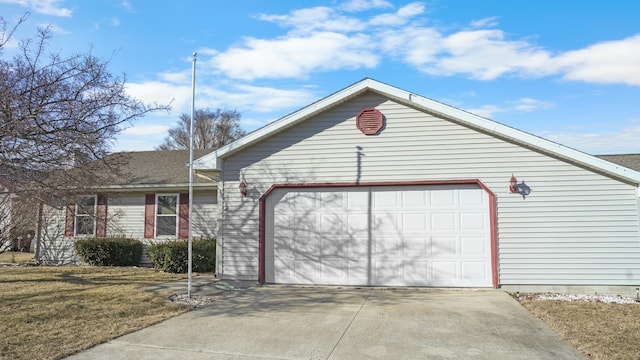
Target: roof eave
154	187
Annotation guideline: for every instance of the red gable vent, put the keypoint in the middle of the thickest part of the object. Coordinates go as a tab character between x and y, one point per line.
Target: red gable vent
369	121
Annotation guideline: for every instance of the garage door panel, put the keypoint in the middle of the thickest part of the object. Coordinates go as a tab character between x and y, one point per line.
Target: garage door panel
473	246
384	245
471	197
415	245
472	271
305	200
443	199
333	269
335	246
386	223
443	271
444	221
309	243
415	199
415	222
471	221
443	246
413	235
332	224
388	272
386	200
416	271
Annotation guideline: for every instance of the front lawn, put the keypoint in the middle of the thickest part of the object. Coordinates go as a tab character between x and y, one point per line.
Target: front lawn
13	257
53	312
597	329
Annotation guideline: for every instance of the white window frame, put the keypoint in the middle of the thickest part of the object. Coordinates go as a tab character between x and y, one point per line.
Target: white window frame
157	215
77	215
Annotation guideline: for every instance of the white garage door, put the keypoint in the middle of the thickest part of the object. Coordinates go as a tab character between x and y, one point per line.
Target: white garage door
388	235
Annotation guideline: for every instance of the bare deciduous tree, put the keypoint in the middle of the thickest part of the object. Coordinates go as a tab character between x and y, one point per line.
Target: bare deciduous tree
211	130
58	114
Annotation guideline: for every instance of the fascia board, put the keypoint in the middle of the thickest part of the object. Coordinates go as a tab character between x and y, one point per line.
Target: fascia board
154	187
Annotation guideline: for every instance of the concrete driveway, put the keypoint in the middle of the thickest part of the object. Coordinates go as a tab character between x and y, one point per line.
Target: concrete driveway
291	322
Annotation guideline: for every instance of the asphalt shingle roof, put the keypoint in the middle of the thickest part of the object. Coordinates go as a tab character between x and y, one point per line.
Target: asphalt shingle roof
632	161
160	167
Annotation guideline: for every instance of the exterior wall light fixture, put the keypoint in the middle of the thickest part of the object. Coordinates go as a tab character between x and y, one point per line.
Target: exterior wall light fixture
513	184
243	189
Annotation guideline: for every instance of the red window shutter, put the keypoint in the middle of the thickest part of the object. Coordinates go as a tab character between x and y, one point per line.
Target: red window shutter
69	220
101	216
149	215
183	217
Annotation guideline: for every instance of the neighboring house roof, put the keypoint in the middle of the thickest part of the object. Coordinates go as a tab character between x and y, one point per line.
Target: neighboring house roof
159	169
632	161
210	161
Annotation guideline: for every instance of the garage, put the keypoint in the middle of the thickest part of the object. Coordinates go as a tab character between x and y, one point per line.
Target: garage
375	185
393	235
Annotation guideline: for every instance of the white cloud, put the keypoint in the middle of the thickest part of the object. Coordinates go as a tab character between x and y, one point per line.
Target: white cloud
212	92
145	133
179	77
528	105
248	123
520	105
486	22
362	5
126	4
487	111
179	96
315	19
47	7
296	57
268	99
623	141
616	61
326	39
417	46
401	17
53	28
147	130
485	55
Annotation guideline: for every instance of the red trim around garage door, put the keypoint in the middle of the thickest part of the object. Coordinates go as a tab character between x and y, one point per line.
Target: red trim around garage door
492	215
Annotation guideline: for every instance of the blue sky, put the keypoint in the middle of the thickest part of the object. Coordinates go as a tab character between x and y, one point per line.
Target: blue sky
568	71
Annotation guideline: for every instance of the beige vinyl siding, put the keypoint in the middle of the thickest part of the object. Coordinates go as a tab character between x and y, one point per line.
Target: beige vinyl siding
204	214
125	217
52	246
576	226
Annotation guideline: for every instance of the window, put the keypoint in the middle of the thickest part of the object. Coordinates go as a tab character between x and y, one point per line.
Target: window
85	216
166	215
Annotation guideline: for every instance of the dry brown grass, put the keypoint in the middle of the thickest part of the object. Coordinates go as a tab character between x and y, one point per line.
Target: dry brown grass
598	330
16	257
52	312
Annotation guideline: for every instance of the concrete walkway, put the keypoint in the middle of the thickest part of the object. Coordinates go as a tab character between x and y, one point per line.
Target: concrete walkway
296	322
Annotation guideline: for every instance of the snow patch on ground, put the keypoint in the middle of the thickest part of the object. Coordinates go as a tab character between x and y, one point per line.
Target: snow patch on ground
195	300
611	299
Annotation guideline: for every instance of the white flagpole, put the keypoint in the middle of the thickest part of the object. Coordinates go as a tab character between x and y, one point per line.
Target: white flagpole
193	110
